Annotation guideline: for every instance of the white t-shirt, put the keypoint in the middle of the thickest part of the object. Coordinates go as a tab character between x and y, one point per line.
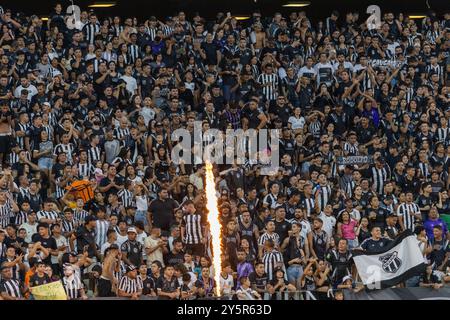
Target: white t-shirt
328	223
121	239
148	114
131	84
31	91
30	228
227	284
155	255
249	294
105	246
61	241
142	203
296	123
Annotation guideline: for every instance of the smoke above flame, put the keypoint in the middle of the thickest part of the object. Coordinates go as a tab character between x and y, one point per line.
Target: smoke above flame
214	224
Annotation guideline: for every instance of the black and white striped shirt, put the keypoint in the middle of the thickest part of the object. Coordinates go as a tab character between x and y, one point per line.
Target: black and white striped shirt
120	133
129	285
5	214
167	30
19	218
309	205
152	33
85	169
100	232
134	52
11	287
72	287
442	134
423	168
60	190
270	200
193	228
67	226
79	216
266	236
315	128
407	211
22	127
94	155
117	30
66	148
52	215
437	69
90	30
271	261
324	195
379	177
126	197
270	91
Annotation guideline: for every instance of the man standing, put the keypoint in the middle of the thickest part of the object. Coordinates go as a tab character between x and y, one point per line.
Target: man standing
408	212
192	229
162	210
132	249
85	237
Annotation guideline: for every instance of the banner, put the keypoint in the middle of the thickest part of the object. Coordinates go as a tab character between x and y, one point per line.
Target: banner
49	291
400	260
354	160
393	64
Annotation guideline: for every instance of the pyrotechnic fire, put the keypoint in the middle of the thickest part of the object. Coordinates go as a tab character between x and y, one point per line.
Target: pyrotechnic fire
214	224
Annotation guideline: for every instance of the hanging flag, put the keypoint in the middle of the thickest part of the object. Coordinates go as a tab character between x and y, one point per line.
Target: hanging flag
400	260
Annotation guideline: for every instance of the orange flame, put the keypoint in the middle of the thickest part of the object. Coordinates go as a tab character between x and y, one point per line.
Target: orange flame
214	224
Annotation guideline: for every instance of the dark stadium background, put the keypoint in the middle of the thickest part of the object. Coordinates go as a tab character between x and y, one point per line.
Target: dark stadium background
209	8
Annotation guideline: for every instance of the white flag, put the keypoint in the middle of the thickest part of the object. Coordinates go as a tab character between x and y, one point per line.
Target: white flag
399	261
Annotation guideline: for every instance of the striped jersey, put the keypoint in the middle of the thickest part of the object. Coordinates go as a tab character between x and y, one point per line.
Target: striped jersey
72	286
193	228
407	211
270	85
129	285
272	260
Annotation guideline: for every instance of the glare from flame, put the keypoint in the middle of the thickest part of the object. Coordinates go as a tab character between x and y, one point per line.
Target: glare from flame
214	224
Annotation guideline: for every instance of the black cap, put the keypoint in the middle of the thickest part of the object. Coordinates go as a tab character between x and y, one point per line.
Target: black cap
392	214
73	254
130	268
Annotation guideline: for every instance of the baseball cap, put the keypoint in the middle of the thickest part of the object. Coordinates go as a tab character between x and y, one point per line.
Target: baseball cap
346	278
130	268
131	229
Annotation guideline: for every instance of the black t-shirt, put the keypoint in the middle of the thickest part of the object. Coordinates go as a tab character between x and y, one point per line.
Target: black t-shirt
163	212
173	259
35	280
260	282
48	243
282	228
371	245
133	249
148	286
106	181
380	218
86	237
167	286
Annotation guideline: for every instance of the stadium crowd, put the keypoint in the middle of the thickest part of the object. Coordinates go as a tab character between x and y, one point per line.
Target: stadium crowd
91	197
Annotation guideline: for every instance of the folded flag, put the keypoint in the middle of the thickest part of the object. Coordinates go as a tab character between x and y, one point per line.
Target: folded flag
400	260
